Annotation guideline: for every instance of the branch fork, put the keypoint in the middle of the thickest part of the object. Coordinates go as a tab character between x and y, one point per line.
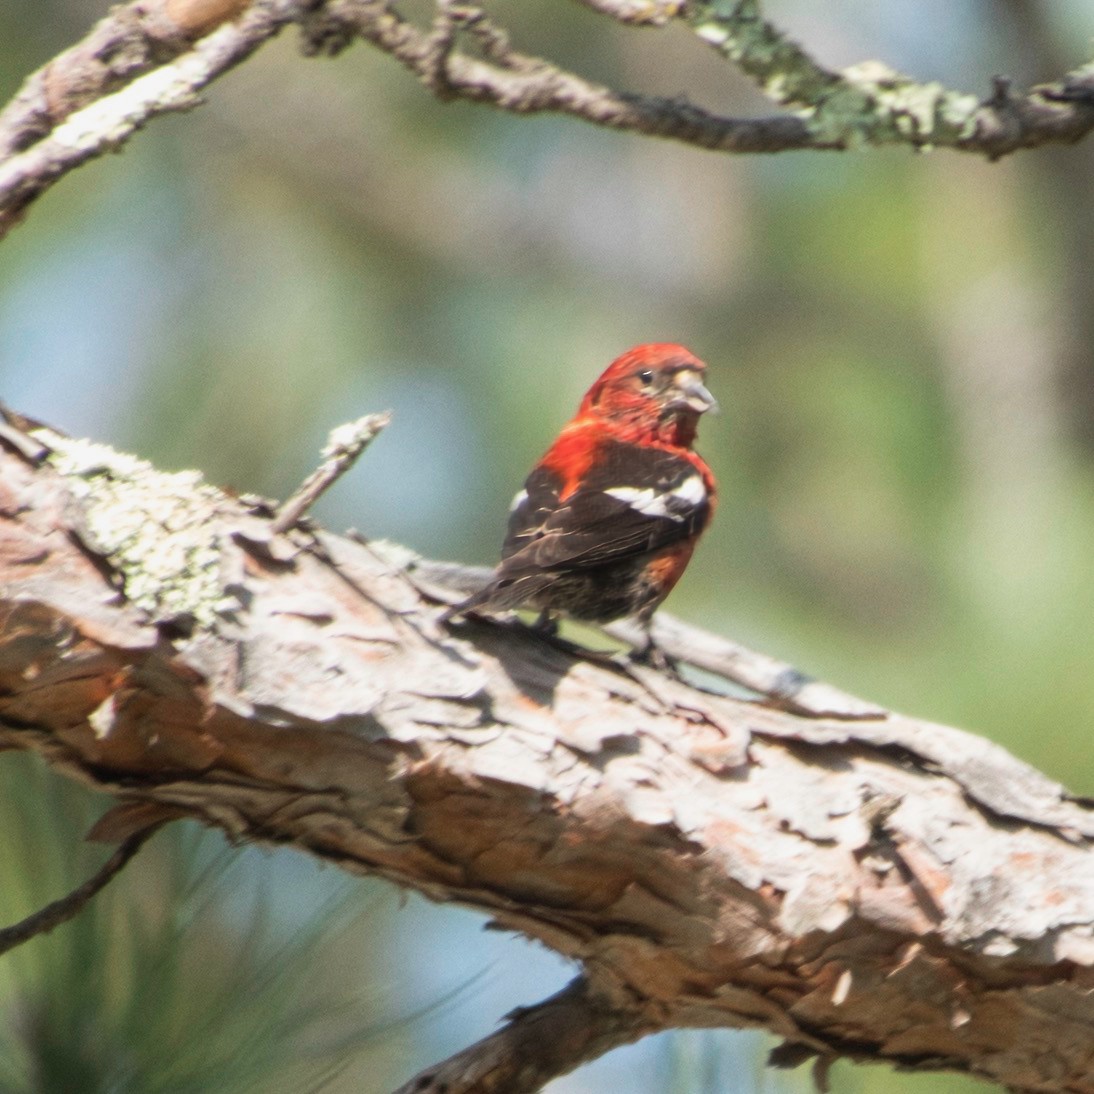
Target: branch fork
151	57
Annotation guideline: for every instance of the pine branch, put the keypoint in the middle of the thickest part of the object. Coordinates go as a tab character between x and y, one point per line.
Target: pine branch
877	888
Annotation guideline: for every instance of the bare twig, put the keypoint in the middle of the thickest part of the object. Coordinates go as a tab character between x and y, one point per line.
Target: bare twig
344	445
525	84
69	906
775	680
32	450
638	13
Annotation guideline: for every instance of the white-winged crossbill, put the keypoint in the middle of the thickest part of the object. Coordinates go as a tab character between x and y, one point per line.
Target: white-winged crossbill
608	519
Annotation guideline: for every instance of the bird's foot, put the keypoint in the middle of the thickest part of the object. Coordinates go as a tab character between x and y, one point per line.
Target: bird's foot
651	654
546	624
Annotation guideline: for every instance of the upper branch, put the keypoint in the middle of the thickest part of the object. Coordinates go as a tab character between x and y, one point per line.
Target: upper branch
865	886
69	112
154	56
133	39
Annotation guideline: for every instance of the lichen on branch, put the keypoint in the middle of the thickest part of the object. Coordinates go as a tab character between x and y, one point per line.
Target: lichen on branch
150	527
155	56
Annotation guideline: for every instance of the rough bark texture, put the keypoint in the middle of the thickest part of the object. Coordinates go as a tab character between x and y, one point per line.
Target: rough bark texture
874	887
537	1044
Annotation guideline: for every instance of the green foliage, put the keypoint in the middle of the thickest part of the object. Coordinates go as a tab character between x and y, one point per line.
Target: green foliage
183	977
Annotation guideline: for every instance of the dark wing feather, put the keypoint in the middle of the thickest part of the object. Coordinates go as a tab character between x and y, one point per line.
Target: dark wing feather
632	501
532	508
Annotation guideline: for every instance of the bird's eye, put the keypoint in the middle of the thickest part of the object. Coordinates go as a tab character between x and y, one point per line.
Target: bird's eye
646	376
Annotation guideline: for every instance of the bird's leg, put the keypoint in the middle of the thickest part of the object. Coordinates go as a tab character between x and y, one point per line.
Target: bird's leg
546	623
546	626
649	653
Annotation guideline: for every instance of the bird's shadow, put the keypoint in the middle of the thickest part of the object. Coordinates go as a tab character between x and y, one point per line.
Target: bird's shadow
534	661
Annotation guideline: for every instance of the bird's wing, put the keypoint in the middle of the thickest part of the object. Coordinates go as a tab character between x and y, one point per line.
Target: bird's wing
632	499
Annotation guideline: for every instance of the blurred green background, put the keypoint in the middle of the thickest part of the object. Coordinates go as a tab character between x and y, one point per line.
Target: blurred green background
903	346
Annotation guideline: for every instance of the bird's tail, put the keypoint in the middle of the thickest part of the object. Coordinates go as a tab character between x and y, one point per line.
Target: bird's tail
500	595
475	600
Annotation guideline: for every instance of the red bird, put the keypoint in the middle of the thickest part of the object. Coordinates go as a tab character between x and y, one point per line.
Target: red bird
608	519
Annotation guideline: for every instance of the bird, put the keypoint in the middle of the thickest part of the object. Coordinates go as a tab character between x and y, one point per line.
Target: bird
608	519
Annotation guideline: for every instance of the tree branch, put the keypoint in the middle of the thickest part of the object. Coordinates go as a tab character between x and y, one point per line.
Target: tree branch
105	123
523	84
342	450
877	888
150	58
765	676
537	1045
870	103
133	39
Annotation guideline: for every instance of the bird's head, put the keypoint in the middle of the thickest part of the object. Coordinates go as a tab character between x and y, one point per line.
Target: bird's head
652	392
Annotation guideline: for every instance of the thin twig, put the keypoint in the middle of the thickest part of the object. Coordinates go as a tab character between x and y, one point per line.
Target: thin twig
15	436
526	84
68	907
344	445
777	681
638	13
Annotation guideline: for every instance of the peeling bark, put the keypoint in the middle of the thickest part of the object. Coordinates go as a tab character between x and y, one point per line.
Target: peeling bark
872	887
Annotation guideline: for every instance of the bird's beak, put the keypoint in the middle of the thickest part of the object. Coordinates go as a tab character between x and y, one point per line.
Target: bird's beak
690	393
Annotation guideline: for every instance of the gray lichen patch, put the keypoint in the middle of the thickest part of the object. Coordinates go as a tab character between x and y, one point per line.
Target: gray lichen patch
865	103
157	531
880	104
787	74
